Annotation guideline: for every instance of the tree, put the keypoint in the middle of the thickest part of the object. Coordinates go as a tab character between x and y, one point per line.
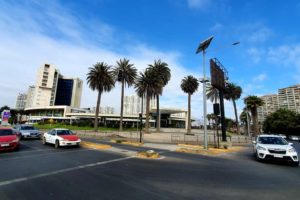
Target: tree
100	78
282	121
233	93
243	119
189	85
252	102
147	85
126	74
163	73
4	108
212	93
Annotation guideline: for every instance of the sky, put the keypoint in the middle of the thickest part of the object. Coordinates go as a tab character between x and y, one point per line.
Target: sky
74	35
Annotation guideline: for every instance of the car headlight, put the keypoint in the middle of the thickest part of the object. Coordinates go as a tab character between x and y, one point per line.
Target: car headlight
261	148
292	150
15	140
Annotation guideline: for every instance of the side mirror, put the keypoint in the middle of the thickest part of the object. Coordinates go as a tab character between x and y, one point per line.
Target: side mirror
290	143
253	142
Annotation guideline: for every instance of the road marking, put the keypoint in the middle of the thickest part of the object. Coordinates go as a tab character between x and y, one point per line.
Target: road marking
45	154
22	179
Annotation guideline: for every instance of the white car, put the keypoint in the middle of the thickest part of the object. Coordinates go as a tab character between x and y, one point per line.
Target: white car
274	147
61	137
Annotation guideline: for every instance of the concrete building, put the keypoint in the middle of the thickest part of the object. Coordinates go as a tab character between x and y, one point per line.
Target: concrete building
107	110
52	89
271	104
133	105
30	96
287	98
21	101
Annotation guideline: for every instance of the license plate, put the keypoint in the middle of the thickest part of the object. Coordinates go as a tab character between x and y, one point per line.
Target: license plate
278	156
4	145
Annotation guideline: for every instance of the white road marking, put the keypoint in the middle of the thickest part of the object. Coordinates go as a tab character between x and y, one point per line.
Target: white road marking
22	179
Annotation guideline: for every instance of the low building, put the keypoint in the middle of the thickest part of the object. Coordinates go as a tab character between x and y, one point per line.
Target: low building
169	117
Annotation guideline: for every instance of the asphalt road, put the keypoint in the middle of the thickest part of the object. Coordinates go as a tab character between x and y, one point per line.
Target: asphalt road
42	172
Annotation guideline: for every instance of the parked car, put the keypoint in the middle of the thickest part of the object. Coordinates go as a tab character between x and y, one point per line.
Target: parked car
28	131
8	139
61	137
274	147
282	135
293	137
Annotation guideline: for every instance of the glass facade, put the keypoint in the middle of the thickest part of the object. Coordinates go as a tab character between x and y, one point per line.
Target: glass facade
64	92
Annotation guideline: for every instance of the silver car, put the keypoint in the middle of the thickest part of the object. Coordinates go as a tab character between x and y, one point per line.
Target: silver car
28	131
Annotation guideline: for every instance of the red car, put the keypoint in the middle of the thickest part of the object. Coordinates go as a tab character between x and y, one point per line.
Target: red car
8	139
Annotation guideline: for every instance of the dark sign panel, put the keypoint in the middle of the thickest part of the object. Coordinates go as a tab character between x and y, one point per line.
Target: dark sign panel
217	75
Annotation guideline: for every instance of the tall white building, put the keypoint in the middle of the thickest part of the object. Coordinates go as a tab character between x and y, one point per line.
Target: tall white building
52	89
107	110
287	98
30	96
45	87
271	104
133	105
21	101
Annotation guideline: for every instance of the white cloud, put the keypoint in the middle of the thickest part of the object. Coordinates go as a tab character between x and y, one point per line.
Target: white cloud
255	33
260	77
287	56
217	27
198	3
255	54
24	49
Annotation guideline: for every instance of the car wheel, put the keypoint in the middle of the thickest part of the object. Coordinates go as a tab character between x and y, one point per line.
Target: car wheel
17	148
295	163
44	141
257	158
56	145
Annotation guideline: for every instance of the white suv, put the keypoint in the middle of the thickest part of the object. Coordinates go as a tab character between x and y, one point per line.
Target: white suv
274	147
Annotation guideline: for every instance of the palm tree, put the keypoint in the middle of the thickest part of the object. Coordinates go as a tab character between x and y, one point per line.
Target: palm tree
233	93
126	74
212	93
162	72
243	118
189	85
252	102
147	85
100	78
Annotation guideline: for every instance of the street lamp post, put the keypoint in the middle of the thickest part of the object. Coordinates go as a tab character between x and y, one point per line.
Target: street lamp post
202	48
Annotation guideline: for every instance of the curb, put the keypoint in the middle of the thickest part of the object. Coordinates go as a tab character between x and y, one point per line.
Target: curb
94	145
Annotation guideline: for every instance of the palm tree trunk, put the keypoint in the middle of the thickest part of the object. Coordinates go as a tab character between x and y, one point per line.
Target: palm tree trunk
236	116
189	114
97	111
255	124
122	105
147	113
157	114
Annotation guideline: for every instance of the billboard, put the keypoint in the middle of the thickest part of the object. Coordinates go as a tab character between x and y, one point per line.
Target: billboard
217	74
5	115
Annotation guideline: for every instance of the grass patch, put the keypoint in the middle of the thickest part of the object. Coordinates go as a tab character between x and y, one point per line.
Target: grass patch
148	154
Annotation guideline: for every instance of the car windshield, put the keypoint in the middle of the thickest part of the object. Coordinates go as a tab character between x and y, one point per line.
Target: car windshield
64	132
272	140
4	132
27	128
